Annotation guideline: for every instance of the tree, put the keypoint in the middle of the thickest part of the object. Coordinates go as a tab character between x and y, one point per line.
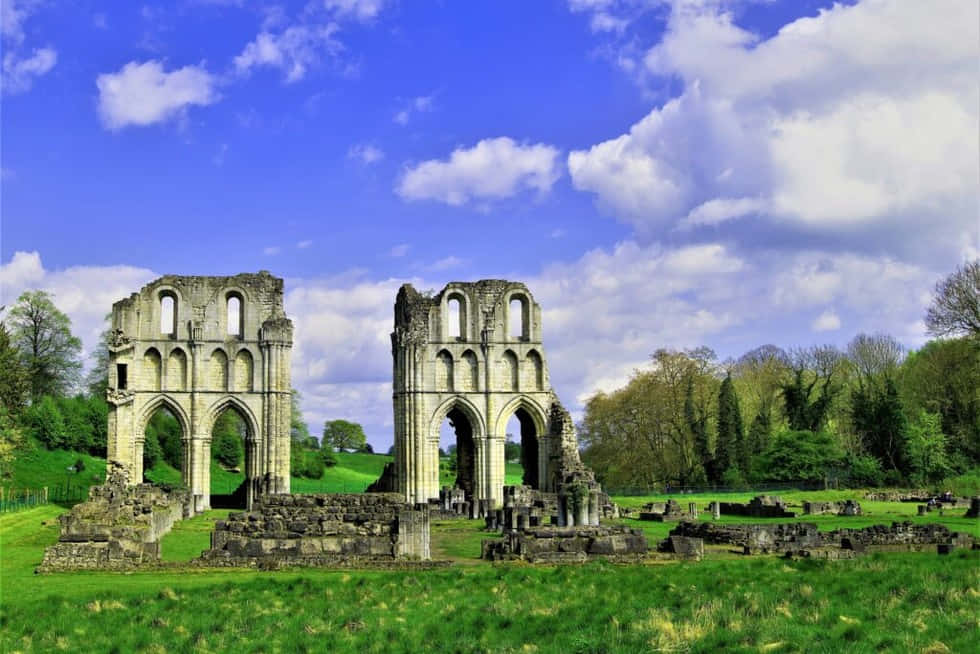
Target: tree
44	422
809	394
11	441
13	377
97	379
875	356
758	375
226	439
343	435
955	307
165	428
512	450
298	431
927	449
799	456
878	418
730	451
49	351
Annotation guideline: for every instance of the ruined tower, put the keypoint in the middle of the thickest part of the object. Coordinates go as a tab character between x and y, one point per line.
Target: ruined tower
473	353
198	346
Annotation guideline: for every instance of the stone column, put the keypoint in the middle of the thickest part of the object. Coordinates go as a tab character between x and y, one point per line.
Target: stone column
582	512
692	510
594	508
716	510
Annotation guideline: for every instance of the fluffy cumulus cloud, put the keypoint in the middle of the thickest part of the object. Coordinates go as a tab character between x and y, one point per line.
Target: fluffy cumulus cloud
145	93
492	169
20	68
363	10
860	120
294	50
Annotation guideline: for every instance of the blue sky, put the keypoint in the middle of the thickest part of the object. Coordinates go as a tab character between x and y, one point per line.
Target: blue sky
661	174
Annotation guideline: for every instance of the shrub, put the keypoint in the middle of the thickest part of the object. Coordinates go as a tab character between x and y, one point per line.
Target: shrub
328	457
152	454
44	422
228	449
865	470
799	456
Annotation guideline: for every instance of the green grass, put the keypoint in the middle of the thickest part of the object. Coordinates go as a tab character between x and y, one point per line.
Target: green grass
37	467
189	538
894	603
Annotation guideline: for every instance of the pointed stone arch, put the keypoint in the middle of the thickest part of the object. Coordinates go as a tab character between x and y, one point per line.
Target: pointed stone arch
218	370
532	372
469	372
244	371
152	369
444	371
177	370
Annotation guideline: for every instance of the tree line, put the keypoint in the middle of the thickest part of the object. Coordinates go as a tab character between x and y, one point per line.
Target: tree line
871	413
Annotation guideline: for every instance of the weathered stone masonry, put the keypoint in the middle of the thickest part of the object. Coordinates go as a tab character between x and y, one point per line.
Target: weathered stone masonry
197	346
455	356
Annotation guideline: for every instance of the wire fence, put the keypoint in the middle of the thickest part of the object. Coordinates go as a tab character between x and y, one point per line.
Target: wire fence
18	499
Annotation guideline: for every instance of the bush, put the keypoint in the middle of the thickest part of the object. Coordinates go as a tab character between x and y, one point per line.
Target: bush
799	456
732	477
328	457
44	422
152	454
965	485
228	449
865	470
79	465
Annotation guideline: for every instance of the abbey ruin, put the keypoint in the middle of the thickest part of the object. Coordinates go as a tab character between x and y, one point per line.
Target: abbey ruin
473	353
198	346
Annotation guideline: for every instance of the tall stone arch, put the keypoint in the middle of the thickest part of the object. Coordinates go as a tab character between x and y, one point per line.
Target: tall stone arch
182	322
495	370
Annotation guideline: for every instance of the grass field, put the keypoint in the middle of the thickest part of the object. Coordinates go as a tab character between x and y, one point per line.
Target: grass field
898	602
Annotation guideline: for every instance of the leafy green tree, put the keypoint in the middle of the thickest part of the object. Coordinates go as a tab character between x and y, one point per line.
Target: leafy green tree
12	441
955	307
299	432
226	439
152	454
343	435
79	433
697	424
799	456
814	385
927	449
328	457
730	450
864	470
42	335
14	383
44	422
165	428
879	420
97	378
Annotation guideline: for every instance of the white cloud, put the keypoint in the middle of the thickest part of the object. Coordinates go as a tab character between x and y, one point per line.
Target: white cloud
294	50
492	169
271	251
827	321
19	73
420	104
365	153
400	250
363	10
144	93
445	263
20	70
860	119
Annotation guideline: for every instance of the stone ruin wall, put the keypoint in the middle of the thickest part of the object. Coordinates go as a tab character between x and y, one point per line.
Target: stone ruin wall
478	378
321	530
198	362
119	526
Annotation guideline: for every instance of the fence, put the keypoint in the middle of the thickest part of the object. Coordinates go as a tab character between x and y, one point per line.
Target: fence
16	499
714	489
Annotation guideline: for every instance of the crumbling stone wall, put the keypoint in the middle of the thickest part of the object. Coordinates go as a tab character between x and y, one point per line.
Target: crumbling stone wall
118	527
761	506
566	544
669	511
198	362
798	536
326	530
478	376
845	508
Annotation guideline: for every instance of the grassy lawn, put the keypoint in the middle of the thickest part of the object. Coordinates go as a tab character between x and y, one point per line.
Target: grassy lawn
895	603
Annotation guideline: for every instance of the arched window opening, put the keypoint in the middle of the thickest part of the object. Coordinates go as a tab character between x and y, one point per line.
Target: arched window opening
163	447
455	315
444	371
517	319
230	460
234	318
457	454
521	450
532	372
168	314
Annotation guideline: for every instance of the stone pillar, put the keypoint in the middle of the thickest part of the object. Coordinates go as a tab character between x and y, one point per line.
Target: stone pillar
594	508
692	510
715	510
582	512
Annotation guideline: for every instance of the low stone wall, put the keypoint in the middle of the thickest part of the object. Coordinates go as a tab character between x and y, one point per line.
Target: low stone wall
669	511
761	506
327	530
845	508
804	536
119	527
566	544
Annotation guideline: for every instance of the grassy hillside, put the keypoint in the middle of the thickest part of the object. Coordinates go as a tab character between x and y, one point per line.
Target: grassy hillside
38	467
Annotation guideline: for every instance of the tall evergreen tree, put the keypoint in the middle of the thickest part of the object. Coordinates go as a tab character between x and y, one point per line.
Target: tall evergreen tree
697	424
730	449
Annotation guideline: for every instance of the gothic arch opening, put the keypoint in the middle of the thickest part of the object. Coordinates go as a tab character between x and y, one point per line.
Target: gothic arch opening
231	459
522	429
163	446
152	369
177	370
456	439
